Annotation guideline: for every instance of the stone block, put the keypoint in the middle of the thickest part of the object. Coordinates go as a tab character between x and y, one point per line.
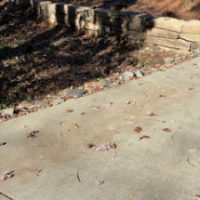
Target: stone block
107	18
136	21
192	27
168	23
83	15
170	43
190	37
157	32
43	11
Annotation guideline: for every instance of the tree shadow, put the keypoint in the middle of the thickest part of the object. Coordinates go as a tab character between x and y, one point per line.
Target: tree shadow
46	59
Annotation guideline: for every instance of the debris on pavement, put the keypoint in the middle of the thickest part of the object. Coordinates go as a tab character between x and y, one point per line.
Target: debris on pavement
100	182
3	143
7	175
145	137
38	171
152	114
162	95
32	134
78	178
91	145
106	147
166	130
70	110
107	105
138	129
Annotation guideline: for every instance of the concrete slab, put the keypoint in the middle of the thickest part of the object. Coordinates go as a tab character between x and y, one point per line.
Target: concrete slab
58	165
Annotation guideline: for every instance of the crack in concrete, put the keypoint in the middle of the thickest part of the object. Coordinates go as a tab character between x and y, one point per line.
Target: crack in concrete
6	196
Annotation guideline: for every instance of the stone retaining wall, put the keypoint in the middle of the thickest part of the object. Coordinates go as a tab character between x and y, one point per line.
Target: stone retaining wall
162	31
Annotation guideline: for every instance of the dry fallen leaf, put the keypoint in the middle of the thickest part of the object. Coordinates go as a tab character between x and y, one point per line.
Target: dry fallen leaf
162	95
152	114
3	143
32	134
145	137
113	145
70	110
106	147
91	145
166	129
138	129
7	175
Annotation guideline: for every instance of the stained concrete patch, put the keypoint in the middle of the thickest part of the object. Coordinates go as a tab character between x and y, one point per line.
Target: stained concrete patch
154	164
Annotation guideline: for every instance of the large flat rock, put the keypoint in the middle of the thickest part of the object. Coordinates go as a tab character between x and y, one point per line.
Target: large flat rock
58	165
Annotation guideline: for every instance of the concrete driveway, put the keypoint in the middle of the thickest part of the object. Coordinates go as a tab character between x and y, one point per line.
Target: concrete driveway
149	127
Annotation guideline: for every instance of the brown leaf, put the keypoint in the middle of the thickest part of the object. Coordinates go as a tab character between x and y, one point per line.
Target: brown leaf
91	145
70	110
167	129
162	95
32	134
113	145
145	137
138	129
3	143
152	114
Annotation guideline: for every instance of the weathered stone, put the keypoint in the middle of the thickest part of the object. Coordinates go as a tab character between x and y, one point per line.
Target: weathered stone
76	93
168	23
170	43
192	27
139	73
83	15
7	112
190	37
136	22
127	75
108	21
105	83
44	9
157	32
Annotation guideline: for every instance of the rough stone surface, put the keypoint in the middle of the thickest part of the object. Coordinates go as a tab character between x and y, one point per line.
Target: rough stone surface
76	93
168	23
127	75
7	111
192	26
190	37
171	43
139	73
158	32
105	83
